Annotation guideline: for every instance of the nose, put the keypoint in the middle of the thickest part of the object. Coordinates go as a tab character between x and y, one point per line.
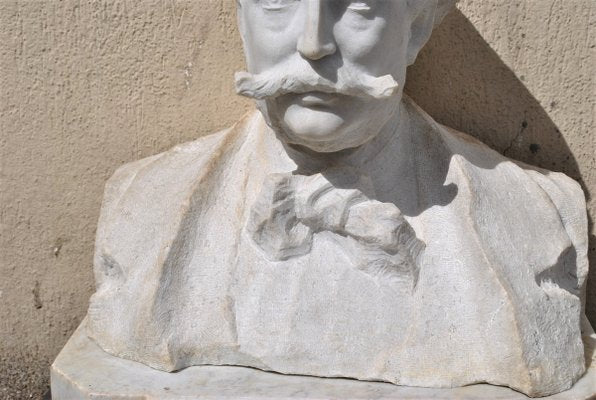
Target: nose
316	40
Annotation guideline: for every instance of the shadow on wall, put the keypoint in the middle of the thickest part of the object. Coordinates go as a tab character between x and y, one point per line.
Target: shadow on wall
474	92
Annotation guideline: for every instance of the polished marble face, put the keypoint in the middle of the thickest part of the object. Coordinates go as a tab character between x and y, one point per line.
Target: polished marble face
345	42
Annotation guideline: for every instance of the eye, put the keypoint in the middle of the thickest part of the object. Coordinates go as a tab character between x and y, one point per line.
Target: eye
361	6
276	5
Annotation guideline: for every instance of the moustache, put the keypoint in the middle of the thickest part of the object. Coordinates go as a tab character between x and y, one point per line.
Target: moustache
277	82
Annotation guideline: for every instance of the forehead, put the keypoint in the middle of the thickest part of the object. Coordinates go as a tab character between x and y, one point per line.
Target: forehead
285	14
276	7
409	3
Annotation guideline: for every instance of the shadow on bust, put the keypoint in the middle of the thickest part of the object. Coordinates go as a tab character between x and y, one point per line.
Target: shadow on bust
339	231
473	91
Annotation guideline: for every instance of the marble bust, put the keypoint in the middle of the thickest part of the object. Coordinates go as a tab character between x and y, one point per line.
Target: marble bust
338	230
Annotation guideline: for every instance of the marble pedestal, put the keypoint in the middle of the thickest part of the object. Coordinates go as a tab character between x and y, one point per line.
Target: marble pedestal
83	371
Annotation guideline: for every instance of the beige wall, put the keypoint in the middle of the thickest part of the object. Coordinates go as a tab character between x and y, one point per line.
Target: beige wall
87	86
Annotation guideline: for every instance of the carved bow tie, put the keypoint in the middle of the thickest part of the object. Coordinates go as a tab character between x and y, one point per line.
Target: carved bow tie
292	208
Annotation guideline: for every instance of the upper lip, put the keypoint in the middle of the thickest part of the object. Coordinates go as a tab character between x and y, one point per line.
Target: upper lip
317	98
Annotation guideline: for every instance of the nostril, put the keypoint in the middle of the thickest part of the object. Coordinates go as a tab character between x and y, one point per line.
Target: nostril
328	49
315	50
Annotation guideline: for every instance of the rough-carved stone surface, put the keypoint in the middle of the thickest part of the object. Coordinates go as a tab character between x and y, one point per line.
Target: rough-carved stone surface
181	282
340	231
84	371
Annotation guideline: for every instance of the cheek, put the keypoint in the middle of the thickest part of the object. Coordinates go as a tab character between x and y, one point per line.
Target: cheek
357	36
378	44
269	37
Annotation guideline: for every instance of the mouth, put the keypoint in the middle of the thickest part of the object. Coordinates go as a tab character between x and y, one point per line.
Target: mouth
317	99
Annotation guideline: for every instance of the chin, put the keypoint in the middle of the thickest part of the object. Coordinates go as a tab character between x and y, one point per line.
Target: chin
320	130
307	126
326	129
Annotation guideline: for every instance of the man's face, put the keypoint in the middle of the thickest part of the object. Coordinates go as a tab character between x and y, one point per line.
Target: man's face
342	41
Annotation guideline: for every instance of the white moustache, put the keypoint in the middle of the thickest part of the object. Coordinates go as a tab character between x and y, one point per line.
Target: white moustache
271	84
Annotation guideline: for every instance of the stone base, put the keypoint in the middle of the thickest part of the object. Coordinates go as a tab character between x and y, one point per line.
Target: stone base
83	371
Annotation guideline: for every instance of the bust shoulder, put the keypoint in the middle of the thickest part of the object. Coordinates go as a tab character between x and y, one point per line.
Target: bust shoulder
560	190
532	203
124	176
133	218
171	168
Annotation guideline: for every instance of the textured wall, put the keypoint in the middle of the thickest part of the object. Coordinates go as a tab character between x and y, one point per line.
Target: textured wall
87	86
